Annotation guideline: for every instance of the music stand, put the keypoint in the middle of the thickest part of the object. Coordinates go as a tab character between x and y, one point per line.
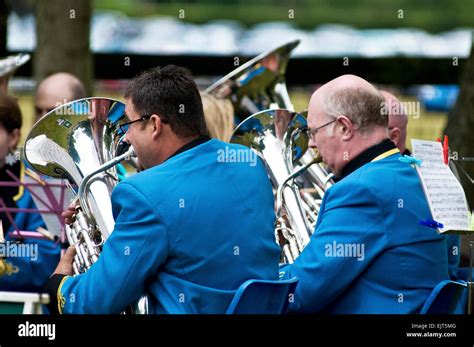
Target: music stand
470	283
42	193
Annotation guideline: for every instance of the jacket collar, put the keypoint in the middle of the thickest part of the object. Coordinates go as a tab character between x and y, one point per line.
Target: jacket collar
366	157
190	145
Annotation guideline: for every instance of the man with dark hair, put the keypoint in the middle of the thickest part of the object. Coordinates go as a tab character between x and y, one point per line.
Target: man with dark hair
189	229
369	252
182	109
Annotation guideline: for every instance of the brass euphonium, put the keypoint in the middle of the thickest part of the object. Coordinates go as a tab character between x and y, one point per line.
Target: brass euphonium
278	137
259	85
9	64
81	142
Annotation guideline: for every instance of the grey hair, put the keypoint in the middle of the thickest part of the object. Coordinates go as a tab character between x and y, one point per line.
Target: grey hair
362	107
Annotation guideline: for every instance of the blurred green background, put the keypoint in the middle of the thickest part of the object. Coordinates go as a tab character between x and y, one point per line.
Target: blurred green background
431	15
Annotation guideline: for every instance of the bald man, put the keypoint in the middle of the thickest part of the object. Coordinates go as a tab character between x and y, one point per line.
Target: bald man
368	253
55	90
397	121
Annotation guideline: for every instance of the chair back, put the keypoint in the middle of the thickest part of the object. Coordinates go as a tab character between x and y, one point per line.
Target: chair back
444	298
262	297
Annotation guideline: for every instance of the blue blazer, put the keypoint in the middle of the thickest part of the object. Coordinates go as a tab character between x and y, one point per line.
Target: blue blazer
369	254
188	232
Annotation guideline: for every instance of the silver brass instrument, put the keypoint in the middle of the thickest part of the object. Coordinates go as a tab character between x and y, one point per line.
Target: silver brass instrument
277	137
9	64
316	177
81	142
259	85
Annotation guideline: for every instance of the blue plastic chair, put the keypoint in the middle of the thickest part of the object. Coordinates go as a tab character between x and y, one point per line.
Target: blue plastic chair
262	297
445	298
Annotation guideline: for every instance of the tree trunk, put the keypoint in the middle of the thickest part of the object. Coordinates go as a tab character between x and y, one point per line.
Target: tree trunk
63	30
4	12
460	129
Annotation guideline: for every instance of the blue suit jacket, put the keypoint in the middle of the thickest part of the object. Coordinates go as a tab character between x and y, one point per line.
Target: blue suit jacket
369	254
188	231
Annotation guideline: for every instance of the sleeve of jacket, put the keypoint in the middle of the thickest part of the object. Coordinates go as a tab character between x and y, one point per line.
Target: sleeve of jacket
32	271
351	218
132	254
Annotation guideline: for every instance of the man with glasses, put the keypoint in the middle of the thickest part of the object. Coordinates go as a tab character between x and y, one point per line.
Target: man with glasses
369	253
190	228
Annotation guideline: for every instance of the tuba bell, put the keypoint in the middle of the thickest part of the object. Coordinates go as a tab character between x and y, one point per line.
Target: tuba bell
81	142
257	85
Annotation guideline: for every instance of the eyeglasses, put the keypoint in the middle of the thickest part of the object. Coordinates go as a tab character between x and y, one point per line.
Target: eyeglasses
125	126
312	132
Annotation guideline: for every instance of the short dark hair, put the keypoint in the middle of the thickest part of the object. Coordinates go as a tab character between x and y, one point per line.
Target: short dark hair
10	113
171	93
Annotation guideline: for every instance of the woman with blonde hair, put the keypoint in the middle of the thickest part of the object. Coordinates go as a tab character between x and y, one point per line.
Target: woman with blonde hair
219	114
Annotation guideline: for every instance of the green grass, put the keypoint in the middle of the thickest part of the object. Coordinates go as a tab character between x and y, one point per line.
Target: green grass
430	15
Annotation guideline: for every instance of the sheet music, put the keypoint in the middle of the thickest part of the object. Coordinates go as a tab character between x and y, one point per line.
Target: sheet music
52	221
444	193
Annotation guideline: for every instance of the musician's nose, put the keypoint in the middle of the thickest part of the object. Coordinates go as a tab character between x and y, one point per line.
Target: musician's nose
126	139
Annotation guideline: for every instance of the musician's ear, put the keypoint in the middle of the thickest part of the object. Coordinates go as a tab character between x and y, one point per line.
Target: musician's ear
395	135
345	127
157	125
14	138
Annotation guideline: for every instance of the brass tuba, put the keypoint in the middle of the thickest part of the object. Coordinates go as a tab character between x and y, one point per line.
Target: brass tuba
278	138
254	89
257	85
81	141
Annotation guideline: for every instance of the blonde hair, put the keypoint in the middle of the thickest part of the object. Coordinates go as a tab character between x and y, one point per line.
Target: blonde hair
219	115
